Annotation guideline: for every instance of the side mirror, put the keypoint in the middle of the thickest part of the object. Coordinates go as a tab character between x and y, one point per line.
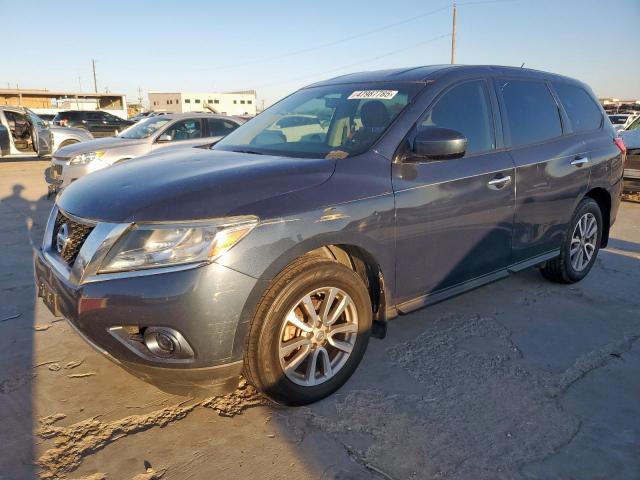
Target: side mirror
165	137
435	143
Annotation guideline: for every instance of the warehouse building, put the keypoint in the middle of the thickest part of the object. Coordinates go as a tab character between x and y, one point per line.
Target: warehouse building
231	103
51	102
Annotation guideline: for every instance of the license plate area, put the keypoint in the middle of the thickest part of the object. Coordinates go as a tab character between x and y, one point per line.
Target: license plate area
49	298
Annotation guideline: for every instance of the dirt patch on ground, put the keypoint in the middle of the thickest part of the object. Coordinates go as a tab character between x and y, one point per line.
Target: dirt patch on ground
74	442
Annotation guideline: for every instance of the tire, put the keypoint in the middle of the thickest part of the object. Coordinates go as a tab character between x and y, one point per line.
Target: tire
271	333
564	268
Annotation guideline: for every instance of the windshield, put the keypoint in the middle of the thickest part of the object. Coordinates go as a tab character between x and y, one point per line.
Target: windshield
334	121
144	128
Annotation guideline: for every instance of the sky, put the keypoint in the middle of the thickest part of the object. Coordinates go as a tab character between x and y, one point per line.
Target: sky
276	47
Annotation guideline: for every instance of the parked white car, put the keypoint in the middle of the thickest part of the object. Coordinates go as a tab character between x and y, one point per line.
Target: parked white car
25	134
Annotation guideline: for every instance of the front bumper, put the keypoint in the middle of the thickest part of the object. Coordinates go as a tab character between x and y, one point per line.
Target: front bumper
61	173
203	303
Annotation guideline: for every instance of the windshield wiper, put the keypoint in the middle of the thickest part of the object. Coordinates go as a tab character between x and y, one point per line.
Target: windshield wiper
254	152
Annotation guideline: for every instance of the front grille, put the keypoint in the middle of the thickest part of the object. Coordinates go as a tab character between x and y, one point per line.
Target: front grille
77	233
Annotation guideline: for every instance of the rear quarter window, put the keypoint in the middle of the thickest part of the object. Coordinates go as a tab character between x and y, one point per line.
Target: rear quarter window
584	114
532	113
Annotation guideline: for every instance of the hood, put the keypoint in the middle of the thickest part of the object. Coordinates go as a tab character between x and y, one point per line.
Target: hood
189	184
98	144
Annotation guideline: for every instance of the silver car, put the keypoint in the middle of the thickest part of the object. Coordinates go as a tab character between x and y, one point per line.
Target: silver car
149	135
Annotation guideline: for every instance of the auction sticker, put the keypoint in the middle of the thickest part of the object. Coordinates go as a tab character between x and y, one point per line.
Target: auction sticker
366	94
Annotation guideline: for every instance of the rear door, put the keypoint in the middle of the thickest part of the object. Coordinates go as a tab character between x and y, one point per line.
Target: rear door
552	166
97	124
455	217
217	128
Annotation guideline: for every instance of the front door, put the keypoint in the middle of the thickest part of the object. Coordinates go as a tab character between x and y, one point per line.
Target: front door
186	133
41	135
454	217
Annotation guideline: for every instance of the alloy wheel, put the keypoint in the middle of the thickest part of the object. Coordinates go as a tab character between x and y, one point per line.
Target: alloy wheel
583	242
317	336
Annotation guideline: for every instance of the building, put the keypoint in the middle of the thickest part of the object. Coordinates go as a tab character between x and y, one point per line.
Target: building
52	102
231	103
617	105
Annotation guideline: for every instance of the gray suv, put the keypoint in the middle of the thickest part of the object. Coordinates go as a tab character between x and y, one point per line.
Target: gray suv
278	253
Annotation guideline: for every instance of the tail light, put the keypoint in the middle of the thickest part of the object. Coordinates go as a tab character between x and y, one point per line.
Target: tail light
620	144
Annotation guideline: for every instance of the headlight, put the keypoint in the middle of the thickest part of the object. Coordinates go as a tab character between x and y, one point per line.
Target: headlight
84	158
161	245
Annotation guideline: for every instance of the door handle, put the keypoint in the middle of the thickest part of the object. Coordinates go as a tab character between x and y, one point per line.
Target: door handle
579	161
498	183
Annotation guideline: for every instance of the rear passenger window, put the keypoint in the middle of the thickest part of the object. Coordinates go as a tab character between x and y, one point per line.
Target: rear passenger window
532	113
582	110
465	108
219	127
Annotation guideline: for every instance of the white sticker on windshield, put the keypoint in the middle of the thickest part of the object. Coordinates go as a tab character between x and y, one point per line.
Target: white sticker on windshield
366	94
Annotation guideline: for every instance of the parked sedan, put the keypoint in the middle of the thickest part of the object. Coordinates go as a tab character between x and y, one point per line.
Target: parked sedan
149	135
99	123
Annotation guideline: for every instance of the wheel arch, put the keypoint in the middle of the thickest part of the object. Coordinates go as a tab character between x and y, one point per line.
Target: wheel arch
365	265
69	141
353	256
603	199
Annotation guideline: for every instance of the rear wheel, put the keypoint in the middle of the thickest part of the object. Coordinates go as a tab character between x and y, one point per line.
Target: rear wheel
580	247
309	333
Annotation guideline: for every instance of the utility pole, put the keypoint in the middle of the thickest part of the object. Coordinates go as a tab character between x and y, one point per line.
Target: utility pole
140	96
453	36
95	82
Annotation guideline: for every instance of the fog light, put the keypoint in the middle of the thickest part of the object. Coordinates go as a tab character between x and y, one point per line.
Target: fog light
154	342
160	342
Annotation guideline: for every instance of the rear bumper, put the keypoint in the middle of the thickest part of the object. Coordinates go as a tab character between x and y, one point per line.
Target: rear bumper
202	303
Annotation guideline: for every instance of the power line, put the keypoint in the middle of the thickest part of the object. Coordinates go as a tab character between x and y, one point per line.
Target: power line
360	62
328	44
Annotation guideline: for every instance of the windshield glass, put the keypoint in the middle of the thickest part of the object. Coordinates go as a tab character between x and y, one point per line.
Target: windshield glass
635	125
144	128
334	121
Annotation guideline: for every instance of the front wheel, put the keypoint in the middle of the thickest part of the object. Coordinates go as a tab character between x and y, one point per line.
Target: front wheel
309	333
580	247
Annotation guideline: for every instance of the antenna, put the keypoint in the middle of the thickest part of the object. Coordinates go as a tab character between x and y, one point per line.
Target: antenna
453	35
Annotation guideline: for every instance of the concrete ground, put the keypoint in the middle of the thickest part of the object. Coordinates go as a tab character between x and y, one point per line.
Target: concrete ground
521	379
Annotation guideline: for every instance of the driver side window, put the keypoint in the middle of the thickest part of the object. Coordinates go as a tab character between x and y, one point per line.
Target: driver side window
185	130
465	108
